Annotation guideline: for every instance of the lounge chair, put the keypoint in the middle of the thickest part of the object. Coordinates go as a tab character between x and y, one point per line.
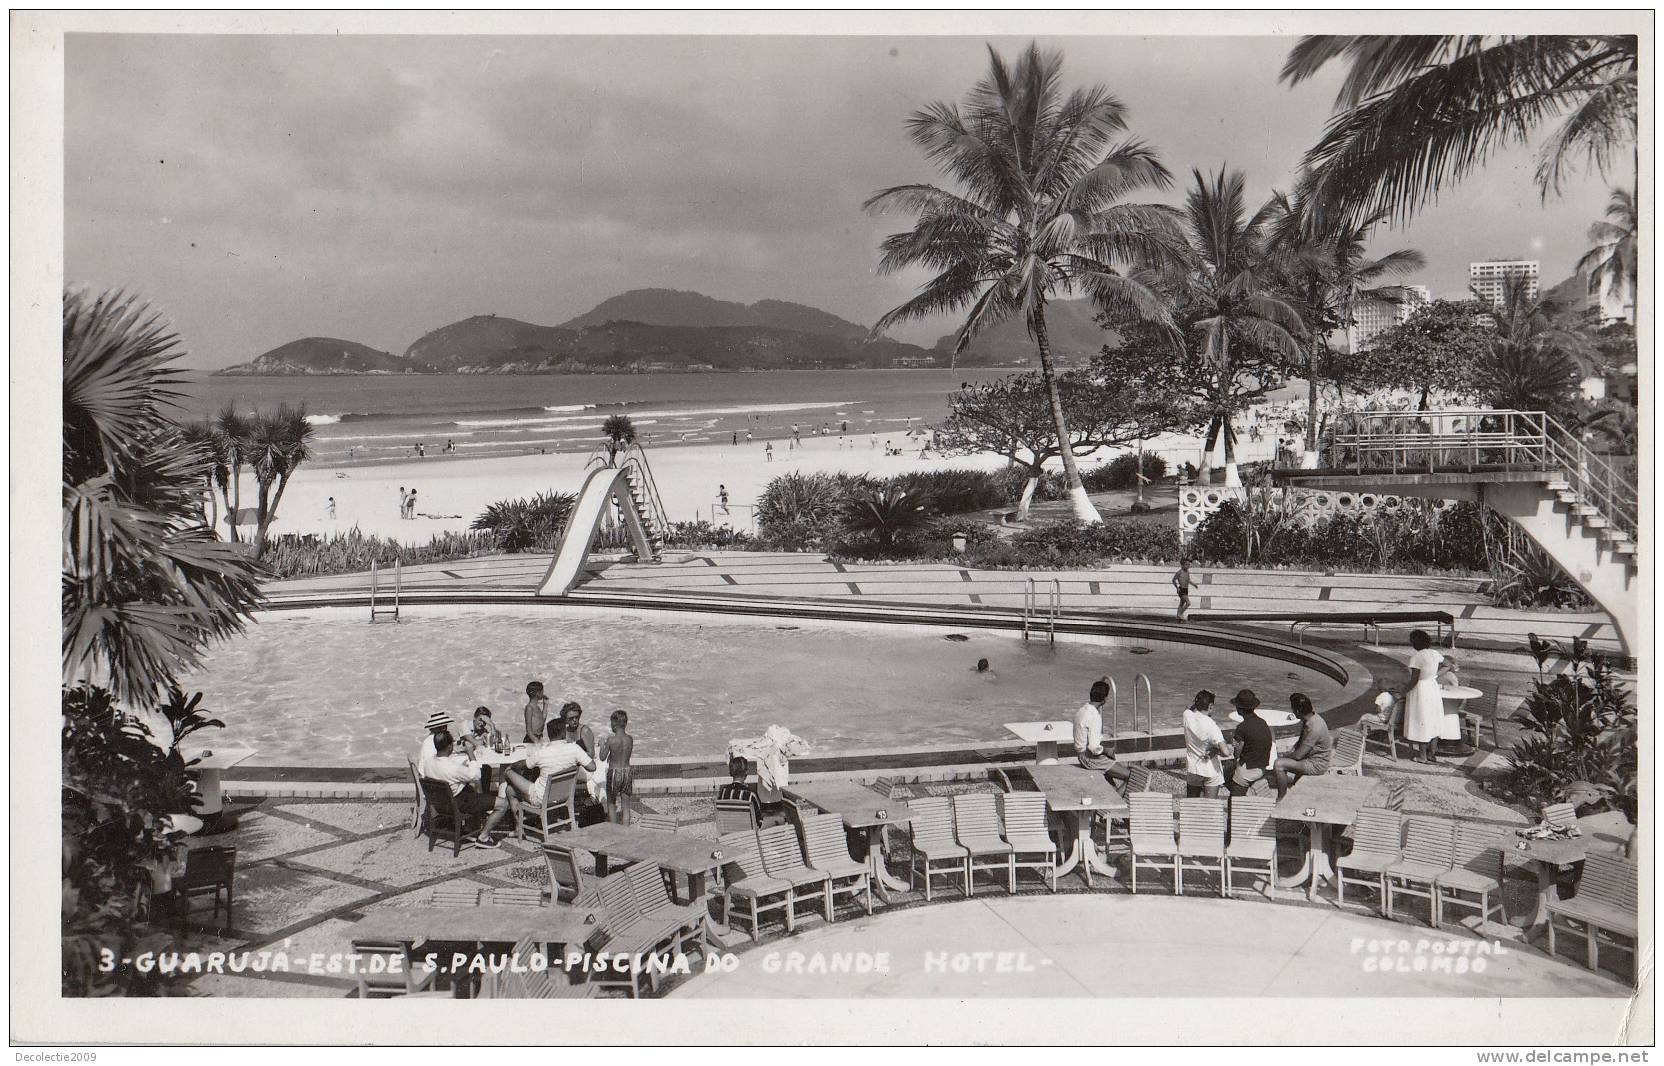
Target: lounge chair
442	817
679	926
1253	841
976	825
1028	834
1476	870
514	897
1377	843
208	872
1201	839
1429	847
748	882
565	879
629	933
1349	753
557	812
735	816
934	846
1605	903
783	861
1152	835
551	982
398	976
827	851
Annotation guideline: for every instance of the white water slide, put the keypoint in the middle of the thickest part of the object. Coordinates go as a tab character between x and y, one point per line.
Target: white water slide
625	492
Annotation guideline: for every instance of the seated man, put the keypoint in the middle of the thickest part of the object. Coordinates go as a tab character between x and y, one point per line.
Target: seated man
1310	756
438	724
1089	729
463	775
1254	746
739	789
555	756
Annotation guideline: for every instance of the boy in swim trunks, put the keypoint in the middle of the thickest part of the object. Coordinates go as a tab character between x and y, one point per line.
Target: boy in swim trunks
616	749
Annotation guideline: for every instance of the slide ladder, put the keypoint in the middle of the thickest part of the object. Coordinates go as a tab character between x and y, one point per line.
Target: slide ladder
625	491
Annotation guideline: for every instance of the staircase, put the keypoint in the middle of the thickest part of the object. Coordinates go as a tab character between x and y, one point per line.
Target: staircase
1523	465
644	497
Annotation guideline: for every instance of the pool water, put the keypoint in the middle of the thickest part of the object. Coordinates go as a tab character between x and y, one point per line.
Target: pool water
327	688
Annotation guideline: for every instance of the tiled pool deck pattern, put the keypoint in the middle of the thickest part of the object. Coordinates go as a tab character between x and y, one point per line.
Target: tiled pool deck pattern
308	870
1124	588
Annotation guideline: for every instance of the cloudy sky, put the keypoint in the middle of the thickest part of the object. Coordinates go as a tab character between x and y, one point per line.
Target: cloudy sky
260	189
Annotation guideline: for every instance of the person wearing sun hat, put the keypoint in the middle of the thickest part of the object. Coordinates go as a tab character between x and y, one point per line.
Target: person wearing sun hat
438	722
1254	749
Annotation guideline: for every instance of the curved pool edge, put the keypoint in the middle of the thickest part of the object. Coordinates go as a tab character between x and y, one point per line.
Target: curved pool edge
664	774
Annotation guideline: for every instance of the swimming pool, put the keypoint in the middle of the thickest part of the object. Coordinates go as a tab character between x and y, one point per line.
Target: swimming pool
325	688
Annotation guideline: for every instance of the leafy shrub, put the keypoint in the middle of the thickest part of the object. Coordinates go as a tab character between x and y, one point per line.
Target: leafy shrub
797	510
1121	472
886	517
703	534
525	525
1011	480
352	552
1414	538
953	491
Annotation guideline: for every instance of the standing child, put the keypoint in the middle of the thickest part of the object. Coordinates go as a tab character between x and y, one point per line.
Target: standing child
615	752
1182	582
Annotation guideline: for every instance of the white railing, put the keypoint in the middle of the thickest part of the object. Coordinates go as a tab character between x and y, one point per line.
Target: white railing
1052	608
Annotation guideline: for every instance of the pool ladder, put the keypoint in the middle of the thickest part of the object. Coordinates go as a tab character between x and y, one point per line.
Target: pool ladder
378	613
1141	682
1051	609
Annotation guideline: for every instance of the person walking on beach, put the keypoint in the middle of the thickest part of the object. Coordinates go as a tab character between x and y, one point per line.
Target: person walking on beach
411	505
404	502
736	438
768	452
1182	583
722	498
331	508
748	437
616	749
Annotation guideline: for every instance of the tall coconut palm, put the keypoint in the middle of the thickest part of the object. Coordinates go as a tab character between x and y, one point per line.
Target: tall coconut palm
1036	213
1416	114
277	446
1225	275
1611	263
145	584
1322	255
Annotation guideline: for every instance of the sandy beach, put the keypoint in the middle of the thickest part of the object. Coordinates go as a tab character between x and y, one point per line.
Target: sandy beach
452	492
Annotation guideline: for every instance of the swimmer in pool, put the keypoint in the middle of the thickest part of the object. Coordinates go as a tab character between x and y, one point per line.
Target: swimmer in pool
983	669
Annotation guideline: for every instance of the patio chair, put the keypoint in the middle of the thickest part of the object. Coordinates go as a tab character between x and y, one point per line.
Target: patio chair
559	810
976	825
1377	843
208	872
1028	834
890	788
1476	870
662	822
783	861
565	879
552	982
1138	780
1253	841
1605	904
455	896
934	846
747	881
1349	753
513	897
735	816
629	933
827	849
1152	835
679	926
1481	711
397	976
442	817
1384	723
1429	847
1201	840
1560	814
419	804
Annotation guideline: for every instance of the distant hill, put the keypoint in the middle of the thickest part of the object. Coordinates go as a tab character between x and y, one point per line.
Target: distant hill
1074	337
672	307
326	355
487	342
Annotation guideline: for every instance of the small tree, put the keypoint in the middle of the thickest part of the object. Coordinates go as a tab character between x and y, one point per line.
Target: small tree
278	444
620	433
1012	417
1442	347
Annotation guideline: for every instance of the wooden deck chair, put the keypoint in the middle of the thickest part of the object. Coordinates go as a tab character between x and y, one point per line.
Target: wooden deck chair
1253	841
1604	911
682	927
934	846
976	825
419	805
1349	753
783	861
1481	711
1386	723
1377	843
1560	814
454	896
551	982
558	811
397	975
1429	847
210	872
735	816
1118	827
662	822
826	849
1476	870
566	881
514	897
1027	832
629	933
442	817
1153	840
746	881
1201	839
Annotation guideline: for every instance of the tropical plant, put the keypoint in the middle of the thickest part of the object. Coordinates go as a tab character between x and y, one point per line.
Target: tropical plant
1224	274
276	447
352	552
1122	472
619	433
524	525
1415	114
1037	214
953	491
145	584
884	516
797	510
1612	264
1441	348
120	785
1537	357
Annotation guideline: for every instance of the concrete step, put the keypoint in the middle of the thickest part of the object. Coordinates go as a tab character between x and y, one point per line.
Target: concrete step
1558	485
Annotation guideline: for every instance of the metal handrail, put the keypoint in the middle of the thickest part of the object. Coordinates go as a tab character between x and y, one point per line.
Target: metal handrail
1149	705
1115	714
1054	607
635	457
375	586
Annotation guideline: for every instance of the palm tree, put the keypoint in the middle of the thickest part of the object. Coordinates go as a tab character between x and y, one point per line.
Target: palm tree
231	444
1037	214
1611	263
277	446
145	584
1417	113
1225	277
886	515
620	433
1537	357
1323	256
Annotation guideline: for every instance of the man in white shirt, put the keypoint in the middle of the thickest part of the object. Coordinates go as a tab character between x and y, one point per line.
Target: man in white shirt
438	722
555	756
462	774
1204	746
1089	739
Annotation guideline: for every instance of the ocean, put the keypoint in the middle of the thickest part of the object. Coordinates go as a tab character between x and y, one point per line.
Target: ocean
375	418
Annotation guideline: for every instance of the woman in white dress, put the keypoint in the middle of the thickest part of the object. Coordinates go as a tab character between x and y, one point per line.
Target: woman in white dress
1423	705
